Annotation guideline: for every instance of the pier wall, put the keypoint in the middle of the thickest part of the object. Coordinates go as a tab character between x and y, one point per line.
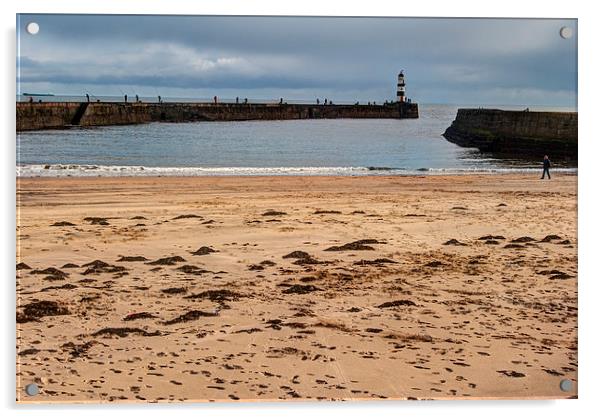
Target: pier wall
45	115
521	133
34	116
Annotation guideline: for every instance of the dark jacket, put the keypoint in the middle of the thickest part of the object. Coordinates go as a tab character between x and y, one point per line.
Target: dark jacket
546	163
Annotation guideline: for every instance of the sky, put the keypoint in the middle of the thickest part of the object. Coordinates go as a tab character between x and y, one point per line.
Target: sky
455	61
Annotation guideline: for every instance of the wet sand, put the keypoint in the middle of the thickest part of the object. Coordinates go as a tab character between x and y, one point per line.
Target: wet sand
296	288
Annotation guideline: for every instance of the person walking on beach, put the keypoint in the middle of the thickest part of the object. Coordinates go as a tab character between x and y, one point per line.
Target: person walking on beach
546	167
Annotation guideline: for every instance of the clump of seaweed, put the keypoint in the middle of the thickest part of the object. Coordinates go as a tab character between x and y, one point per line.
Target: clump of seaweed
78	350
138	315
189	216
131	258
455	242
301	289
190	316
377	262
360	245
35	310
63	223
99	266
124	332
174	290
190	269
297	254
52	273
273	213
204	250
401	302
167	261
217	295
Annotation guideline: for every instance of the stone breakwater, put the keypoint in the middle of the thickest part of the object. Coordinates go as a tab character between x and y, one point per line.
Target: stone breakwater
56	115
517	133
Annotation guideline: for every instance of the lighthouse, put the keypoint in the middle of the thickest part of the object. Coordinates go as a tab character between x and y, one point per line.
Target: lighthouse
401	88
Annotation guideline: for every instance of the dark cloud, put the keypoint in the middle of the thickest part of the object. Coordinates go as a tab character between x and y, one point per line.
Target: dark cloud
446	60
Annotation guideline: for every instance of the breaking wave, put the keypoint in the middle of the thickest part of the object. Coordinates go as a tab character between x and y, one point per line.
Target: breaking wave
79	170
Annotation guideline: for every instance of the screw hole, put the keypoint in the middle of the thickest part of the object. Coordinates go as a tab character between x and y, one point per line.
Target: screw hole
32	389
566	32
566	385
32	28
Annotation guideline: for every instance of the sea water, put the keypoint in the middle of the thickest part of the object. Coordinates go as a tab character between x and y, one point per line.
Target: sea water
291	147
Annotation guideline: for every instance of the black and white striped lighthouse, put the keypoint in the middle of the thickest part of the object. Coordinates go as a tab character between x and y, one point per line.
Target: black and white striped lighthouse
401	87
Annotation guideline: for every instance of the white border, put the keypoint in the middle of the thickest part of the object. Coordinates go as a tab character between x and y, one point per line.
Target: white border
589	212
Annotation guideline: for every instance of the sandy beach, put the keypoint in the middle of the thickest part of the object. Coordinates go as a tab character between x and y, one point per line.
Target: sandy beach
296	288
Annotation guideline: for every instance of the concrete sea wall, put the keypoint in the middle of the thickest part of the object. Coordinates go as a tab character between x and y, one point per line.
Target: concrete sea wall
35	116
45	115
520	133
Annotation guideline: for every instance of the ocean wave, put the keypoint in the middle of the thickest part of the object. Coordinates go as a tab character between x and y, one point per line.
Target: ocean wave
497	170
83	170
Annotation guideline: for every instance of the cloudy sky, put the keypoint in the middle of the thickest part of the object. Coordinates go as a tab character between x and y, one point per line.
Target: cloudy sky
460	61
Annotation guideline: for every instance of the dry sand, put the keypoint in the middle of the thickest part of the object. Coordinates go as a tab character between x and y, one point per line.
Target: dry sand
402	315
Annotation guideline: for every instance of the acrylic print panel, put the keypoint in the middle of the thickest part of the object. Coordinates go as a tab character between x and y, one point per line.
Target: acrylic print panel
265	208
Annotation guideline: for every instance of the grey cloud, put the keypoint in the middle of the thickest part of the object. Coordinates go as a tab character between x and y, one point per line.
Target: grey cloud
345	56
